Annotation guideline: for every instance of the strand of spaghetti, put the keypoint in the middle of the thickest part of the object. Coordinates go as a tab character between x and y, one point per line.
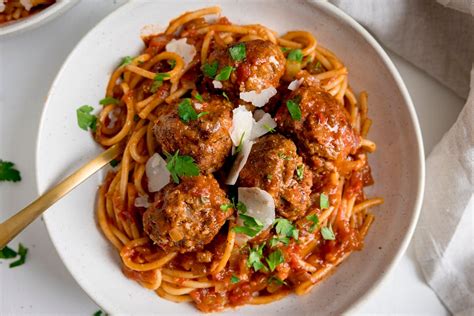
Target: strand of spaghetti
287	43
264	32
229	245
350	207
311	42
102	219
323	60
363	105
113	80
354	111
350	96
219	41
250	37
143	103
124	174
125	128
173	298
369	219
176	95
357	126
181	274
189	16
127	251
137	178
225	28
136	61
331	73
150	107
110	203
205	46
342	91
333	82
119	234
365	127
106	110
265	299
155	285
188	283
368	145
174	290
133	142
367	203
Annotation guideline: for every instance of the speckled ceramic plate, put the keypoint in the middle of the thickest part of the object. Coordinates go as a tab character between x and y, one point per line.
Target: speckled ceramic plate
398	164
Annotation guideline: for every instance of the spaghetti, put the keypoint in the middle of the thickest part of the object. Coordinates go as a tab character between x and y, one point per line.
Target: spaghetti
219	276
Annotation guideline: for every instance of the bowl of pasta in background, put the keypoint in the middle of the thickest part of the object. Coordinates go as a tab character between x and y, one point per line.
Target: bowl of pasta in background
31	14
397	165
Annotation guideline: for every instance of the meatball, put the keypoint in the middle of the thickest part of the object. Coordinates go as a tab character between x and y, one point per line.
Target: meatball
324	131
274	166
206	138
185	217
262	67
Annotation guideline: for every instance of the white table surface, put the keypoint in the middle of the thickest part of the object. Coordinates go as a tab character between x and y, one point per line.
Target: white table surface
28	65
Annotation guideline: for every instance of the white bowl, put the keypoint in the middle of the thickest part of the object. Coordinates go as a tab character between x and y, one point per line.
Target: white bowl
37	19
398	164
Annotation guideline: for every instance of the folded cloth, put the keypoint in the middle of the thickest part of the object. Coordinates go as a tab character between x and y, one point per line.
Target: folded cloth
441	42
436	39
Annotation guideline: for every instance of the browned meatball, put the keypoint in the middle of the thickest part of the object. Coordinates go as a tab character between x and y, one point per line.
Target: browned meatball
274	166
206	138
262	68
186	216
324	131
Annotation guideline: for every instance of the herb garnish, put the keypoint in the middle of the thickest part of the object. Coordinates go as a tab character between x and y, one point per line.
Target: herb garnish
114	163
186	111
126	61
199	97
284	227
210	70
323	201
274	259
300	172
180	166
234	279
255	256
238	52
276	240
158	81
295	55
276	280
294	109
109	100
315	219
22	251
8	172
269	129
85	119
224	74
252	226
238	149
7	253
328	233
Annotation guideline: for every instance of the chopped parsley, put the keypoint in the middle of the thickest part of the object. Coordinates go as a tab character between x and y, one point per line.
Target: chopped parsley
7	253
274	241
238	149
234	279
199	97
274	259
315	219
114	163
172	63
180	166
100	313
284	49
126	61
224	74
276	280
238	52
323	201
226	207
85	119
8	172
241	207
136	118
186	111
22	251
295	55
255	256
252	226
210	70
109	100
158	81
225	96
269	129
328	233
269	176
284	227
283	156
300	172
294	109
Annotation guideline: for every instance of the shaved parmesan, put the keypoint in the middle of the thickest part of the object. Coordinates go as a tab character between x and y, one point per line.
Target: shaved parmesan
239	163
295	84
2	6
150	30
157	173
260	205
113	117
258	99
274	61
242	123
142	201
197	106
262	126
183	49
27	4
217	84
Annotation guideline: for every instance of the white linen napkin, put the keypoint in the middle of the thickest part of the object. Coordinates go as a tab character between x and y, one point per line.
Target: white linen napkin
441	42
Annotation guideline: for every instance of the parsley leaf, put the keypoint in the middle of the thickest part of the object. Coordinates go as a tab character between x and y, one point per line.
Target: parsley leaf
225	95
285	228
238	52
22	251
199	97
274	241
109	100
295	55
85	119
269	129
100	313
269	176
323	201
300	172
328	233
7	253
172	63
126	61
180	166
283	156
114	163
210	70
234	279
8	172
255	256
315	219
274	259
241	207
252	226
294	109
226	207
158	81
186	111
276	280
238	149
284	49
224	74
